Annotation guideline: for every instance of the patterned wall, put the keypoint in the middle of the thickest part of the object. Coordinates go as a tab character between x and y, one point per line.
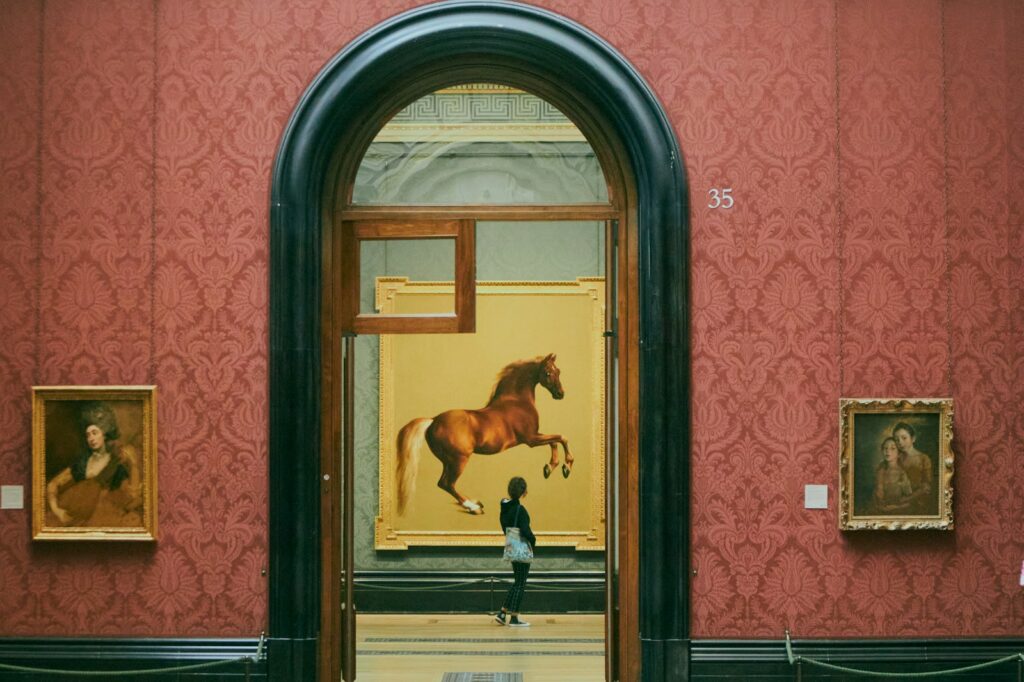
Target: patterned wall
870	256
877	154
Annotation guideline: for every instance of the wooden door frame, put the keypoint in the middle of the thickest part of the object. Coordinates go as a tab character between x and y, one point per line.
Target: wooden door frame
410	55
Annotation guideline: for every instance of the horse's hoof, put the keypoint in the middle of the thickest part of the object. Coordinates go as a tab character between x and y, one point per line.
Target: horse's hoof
547	471
566	471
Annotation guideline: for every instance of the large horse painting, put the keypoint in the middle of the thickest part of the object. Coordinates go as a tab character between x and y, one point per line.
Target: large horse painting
510	418
527	388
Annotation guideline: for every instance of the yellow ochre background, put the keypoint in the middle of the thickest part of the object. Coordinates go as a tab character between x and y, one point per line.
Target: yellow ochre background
423	375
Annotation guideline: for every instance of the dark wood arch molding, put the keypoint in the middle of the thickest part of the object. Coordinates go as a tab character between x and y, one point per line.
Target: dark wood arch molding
415	52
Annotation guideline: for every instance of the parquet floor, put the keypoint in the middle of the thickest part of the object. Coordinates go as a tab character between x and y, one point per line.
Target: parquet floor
421	648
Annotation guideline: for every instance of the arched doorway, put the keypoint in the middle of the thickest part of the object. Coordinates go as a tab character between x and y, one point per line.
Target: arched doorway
418	52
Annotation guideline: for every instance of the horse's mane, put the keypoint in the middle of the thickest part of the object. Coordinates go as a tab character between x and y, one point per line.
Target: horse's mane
512	371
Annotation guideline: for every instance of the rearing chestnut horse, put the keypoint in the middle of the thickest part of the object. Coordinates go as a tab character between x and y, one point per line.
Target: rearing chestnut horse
509	419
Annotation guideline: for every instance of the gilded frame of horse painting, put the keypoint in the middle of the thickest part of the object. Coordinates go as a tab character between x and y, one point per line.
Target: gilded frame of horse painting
94	463
423	378
896	464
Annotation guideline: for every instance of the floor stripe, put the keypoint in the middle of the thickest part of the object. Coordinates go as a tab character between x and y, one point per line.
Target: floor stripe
476	640
407	652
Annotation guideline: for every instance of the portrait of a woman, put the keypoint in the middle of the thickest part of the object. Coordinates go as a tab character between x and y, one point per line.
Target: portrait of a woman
101	487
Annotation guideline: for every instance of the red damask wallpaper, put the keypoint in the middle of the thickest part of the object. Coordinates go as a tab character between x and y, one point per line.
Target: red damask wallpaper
876	152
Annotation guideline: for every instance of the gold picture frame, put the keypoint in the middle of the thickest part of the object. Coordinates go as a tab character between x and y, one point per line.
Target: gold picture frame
442	372
896	464
94	463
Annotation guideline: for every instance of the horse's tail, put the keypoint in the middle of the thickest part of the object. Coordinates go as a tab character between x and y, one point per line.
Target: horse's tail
411	440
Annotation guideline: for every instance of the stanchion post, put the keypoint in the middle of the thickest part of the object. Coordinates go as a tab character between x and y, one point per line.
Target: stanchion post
1020	667
799	671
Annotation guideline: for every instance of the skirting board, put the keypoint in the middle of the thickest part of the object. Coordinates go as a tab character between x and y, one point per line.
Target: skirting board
721	660
94	654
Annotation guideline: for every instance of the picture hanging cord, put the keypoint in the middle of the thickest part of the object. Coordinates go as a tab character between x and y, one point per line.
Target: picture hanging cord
39	231
945	202
37	376
840	236
841	308
153	196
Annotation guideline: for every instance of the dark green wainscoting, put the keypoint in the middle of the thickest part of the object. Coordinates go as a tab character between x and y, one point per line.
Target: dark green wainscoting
476	591
721	660
124	654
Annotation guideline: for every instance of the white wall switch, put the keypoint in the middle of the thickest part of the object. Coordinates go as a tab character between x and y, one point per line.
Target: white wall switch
815	497
12	497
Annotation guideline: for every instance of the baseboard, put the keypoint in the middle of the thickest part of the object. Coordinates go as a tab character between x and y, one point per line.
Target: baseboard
122	654
720	660
476	591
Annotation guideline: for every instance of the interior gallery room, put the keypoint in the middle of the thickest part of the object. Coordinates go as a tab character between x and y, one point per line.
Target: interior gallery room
485	341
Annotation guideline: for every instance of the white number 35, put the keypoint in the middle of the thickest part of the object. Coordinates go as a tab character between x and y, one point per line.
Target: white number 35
721	198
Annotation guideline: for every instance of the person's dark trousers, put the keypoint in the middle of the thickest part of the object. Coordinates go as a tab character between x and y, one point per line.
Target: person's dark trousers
514	598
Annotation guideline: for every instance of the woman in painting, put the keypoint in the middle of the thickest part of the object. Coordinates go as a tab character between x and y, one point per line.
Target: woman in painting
514	515
892	485
918	466
101	487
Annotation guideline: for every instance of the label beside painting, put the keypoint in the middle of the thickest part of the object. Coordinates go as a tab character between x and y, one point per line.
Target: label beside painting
815	496
12	497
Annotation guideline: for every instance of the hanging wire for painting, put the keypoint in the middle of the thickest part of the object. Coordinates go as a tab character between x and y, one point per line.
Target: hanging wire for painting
840	244
945	204
245	660
796	659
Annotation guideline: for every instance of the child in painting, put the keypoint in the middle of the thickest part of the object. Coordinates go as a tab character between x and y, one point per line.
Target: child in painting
892	485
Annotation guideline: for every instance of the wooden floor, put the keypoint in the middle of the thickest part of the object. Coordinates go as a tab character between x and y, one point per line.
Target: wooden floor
421	648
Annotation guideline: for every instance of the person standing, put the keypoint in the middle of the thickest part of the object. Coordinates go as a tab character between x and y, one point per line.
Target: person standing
514	515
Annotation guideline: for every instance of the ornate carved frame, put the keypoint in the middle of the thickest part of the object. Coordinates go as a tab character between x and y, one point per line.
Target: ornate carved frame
42	396
848	408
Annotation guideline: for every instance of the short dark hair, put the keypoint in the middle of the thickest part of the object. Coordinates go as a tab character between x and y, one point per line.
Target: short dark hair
904	426
516	487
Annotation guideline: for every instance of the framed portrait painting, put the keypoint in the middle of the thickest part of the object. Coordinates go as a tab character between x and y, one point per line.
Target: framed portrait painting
94	463
896	464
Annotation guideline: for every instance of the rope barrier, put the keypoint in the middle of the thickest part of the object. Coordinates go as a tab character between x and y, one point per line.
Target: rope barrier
424	588
150	671
472	581
795	659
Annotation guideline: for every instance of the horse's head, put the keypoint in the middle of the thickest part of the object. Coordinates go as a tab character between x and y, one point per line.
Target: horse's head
549	377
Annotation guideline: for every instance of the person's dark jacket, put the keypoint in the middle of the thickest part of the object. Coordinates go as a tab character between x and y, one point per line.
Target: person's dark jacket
522	522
